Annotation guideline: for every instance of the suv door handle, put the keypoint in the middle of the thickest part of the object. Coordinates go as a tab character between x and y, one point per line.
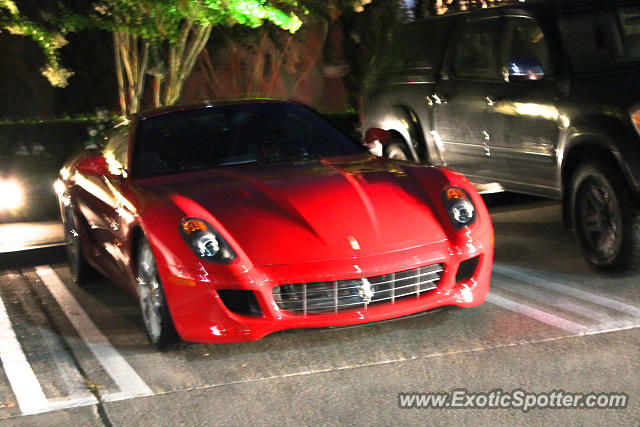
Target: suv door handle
439	99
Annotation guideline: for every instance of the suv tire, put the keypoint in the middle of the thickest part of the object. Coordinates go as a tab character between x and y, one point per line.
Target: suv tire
607	224
397	149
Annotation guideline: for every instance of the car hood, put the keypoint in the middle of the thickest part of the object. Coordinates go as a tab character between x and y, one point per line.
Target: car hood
312	210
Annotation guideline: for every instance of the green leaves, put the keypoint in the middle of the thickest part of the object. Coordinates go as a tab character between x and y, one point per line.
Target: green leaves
12	21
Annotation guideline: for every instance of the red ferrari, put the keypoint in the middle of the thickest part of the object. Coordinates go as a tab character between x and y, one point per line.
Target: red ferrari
232	220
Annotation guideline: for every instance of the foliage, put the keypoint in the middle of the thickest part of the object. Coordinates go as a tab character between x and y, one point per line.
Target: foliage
14	22
423	8
165	38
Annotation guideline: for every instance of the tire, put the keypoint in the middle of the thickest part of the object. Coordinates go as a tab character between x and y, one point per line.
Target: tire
153	304
81	271
398	150
605	220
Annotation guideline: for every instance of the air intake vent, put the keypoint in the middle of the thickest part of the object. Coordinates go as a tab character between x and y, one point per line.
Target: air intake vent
241	302
467	269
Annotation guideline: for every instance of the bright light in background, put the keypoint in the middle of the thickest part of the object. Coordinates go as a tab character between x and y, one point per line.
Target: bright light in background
59	187
11	195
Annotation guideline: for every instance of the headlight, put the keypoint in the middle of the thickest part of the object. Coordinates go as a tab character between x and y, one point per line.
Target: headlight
205	242
11	195
459	206
635	118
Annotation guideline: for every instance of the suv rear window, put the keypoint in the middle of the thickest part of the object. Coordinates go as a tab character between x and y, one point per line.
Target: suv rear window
601	39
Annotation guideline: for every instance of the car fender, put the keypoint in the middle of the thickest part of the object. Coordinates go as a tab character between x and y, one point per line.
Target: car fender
607	133
593	136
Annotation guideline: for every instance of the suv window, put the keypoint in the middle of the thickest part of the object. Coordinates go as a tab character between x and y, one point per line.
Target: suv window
475	55
601	39
525	40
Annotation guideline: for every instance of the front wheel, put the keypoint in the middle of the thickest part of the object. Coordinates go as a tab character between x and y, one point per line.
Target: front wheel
155	312
607	224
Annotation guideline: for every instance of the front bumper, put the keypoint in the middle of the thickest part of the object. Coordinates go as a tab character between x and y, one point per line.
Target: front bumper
200	315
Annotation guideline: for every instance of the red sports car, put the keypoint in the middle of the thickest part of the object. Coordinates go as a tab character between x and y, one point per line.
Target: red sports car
232	220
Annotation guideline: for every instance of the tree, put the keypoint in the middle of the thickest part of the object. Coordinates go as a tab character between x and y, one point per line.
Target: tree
164	38
15	22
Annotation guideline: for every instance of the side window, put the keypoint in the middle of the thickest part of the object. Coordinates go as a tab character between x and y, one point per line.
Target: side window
525	40
476	53
117	149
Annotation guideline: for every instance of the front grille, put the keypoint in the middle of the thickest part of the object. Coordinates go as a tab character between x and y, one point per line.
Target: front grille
340	295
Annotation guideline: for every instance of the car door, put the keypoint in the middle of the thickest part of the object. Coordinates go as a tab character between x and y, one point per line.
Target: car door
459	99
99	203
523	115
116	215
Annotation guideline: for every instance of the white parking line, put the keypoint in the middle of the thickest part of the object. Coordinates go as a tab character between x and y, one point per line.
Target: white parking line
539	315
125	377
568	290
25	385
562	302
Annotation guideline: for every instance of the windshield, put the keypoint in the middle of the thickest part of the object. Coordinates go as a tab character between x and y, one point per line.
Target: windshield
602	39
234	134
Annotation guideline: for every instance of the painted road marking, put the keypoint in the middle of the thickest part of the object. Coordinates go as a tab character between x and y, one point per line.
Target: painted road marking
25	385
562	302
568	290
125	377
605	323
74	384
537	314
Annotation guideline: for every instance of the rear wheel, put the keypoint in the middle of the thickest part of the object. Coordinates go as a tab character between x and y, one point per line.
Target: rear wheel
606	222
155	312
397	149
83	273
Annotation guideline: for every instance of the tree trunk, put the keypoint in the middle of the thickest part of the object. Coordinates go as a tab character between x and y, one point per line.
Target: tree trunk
132	56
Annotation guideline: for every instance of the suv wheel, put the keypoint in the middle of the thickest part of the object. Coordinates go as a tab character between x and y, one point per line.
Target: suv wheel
607	225
397	149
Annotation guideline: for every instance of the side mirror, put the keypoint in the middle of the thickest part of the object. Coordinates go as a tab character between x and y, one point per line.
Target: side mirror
375	138
522	69
96	166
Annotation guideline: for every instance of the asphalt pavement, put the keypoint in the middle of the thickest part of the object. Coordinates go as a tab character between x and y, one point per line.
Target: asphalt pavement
75	355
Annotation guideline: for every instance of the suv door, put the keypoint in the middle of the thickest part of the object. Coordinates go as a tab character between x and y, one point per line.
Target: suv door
523	118
459	99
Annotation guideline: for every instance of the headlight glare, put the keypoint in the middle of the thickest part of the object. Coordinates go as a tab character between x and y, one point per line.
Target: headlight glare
205	241
459	206
11	195
635	118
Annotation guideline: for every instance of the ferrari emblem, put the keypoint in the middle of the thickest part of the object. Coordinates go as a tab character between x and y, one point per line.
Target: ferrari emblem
354	243
365	291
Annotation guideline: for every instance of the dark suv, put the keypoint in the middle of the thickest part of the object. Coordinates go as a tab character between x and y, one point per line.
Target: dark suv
540	98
